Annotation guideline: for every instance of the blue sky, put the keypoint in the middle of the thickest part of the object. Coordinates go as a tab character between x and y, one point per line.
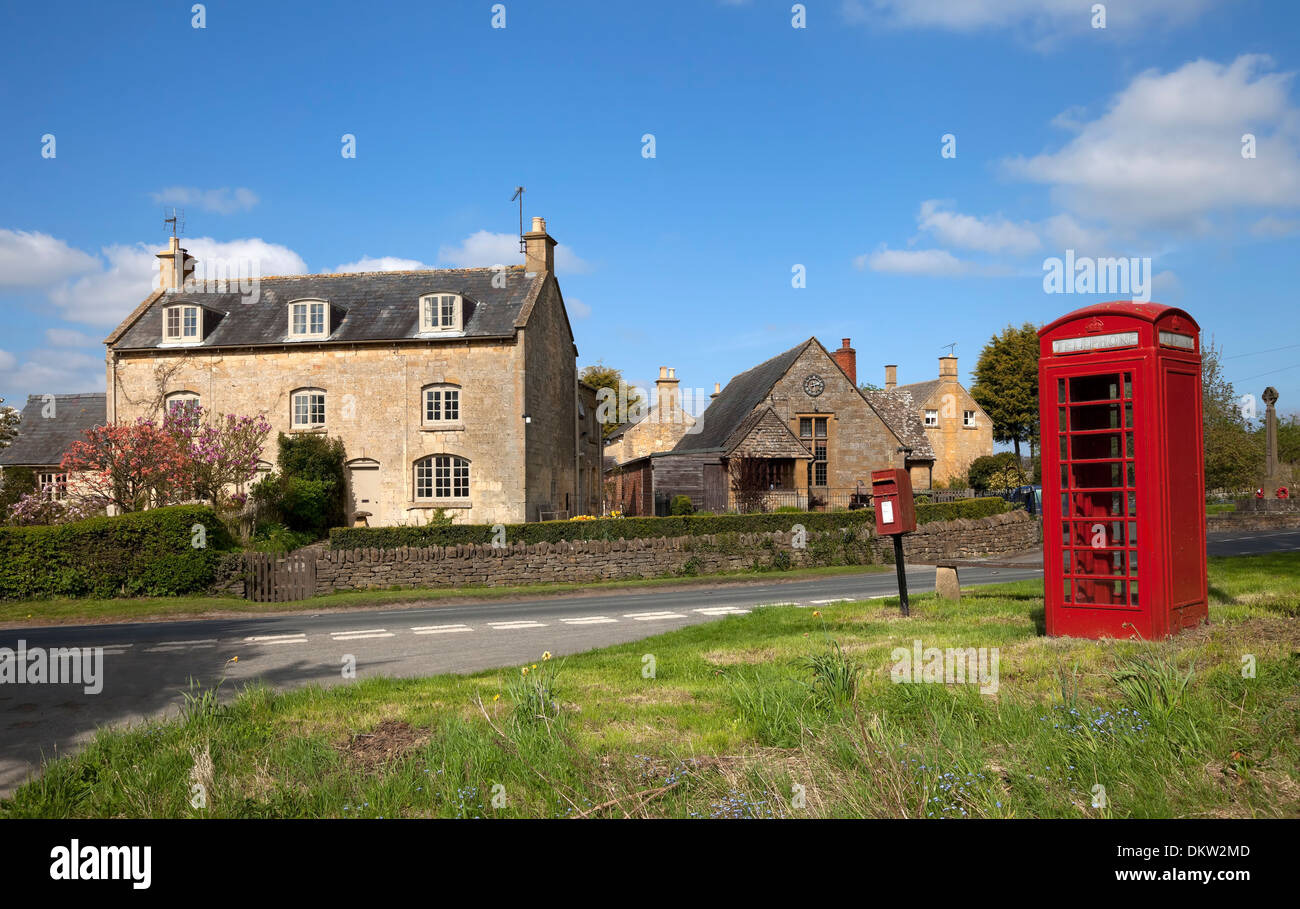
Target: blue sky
775	146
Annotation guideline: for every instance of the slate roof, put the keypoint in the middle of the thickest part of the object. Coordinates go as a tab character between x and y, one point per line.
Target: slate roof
787	444
366	306
737	402
920	391
900	411
42	440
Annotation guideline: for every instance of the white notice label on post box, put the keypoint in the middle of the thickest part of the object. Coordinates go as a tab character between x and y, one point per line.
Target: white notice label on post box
887	512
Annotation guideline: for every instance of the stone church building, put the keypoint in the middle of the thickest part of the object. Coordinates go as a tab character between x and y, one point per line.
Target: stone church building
454	389
795	430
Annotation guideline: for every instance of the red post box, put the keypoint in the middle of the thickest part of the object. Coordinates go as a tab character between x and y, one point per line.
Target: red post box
891	496
1119	392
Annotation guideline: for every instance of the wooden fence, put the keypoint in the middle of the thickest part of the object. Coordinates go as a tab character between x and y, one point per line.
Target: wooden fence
272	580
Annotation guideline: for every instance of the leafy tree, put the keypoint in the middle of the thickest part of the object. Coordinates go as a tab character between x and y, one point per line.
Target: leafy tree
309	494
1006	384
1234	456
986	471
133	466
9	419
219	452
15	482
617	400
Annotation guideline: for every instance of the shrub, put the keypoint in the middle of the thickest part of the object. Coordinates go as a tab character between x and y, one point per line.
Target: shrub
643	528
681	505
15	482
309	493
147	553
981	470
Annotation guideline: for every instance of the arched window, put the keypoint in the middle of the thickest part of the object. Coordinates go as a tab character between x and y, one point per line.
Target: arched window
441	404
308	408
179	399
442	477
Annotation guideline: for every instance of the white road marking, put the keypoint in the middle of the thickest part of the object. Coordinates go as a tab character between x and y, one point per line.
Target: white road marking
440	629
723	610
300	638
361	635
589	620
511	626
653	616
173	646
766	605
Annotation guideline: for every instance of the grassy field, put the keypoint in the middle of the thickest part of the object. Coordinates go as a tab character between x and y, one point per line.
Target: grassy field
785	712
78	611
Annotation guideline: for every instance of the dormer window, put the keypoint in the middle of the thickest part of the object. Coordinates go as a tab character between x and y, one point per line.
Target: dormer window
441	312
309	319
181	324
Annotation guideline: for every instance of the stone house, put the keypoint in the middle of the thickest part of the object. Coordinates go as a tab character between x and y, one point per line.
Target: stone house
795	430
958	429
48	426
450	388
659	428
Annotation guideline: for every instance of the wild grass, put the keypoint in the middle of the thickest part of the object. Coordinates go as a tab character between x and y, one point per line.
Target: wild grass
779	713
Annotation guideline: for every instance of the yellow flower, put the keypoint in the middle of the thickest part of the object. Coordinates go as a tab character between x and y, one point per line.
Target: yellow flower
524	671
546	656
534	665
233	659
496	697
817	614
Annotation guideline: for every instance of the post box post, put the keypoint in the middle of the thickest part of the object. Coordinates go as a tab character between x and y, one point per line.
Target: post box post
891	497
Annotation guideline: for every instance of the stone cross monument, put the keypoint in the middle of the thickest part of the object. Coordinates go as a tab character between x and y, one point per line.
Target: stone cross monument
1272	477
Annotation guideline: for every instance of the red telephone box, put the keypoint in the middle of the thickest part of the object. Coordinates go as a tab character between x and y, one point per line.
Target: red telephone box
891	496
1119	391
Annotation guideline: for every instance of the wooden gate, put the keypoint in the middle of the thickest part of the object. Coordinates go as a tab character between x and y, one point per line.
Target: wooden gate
271	580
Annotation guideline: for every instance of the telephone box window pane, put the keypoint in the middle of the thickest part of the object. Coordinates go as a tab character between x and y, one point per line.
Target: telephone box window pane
1132	562
1132	503
1062	421
1065	477
1099	591
1128	415
1060	399
1128	385
1067	591
1100	475
1132	533
1095	416
1065	503
1096	447
1094	388
1065	560
1065	454
1128	444
1132	475
1065	533
1133	592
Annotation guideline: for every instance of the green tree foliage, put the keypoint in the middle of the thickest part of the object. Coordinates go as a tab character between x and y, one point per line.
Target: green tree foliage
611	380
15	483
309	494
988	471
1006	384
681	505
1234	455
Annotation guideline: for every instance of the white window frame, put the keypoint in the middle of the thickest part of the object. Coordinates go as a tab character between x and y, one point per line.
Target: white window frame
932	418
447	474
179	397
435	314
968	419
57	483
309	408
185	334
442	391
307	307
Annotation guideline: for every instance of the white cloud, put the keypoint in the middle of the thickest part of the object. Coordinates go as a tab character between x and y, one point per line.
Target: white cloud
577	308
106	297
991	235
224	201
929	262
41	372
66	337
1270	226
34	259
1167	152
1038	17
483	249
382	263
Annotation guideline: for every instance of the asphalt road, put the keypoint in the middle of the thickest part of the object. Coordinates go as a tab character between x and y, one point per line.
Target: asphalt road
147	665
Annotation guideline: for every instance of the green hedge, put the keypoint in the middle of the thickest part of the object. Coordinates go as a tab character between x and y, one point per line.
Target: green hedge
146	553
641	528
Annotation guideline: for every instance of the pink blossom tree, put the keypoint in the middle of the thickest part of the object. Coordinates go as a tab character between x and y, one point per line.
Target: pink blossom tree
220	450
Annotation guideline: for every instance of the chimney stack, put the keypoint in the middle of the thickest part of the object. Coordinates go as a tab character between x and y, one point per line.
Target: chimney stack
847	357
717	390
539	248
175	266
891	377
666	391
948	368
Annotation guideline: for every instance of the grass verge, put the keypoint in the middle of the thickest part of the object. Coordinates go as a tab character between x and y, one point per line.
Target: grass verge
784	712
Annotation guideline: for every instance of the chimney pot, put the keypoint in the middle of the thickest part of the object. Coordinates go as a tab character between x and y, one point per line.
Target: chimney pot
847	358
539	247
717	390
